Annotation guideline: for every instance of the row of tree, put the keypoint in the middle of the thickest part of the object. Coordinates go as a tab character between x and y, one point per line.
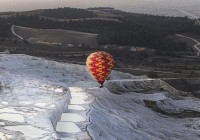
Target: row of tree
4	29
67	13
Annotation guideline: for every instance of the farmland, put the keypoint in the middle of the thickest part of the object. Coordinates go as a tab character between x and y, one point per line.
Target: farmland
53	36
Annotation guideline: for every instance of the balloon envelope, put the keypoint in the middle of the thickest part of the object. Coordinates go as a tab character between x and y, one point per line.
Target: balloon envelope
100	65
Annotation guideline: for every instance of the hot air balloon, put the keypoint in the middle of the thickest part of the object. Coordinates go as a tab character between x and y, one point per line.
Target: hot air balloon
100	65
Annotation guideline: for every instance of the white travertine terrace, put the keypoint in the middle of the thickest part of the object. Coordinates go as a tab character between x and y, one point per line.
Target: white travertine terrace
31	101
48	100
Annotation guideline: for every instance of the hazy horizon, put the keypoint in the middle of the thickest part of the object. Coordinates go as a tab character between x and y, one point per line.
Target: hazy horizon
161	7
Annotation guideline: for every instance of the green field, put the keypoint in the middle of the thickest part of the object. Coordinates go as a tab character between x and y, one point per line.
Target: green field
58	36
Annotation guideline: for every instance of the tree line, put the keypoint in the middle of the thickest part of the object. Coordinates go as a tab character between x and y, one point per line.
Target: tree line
67	13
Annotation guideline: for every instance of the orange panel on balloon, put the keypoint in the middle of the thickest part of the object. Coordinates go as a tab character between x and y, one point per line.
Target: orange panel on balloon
100	65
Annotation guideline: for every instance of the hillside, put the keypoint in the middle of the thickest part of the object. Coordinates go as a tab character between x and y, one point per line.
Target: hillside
55	36
113	26
37	90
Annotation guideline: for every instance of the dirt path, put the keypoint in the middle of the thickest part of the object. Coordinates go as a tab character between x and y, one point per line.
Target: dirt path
196	41
13	32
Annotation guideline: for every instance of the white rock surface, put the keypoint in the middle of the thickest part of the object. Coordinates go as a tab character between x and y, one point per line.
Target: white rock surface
143	116
30	103
37	91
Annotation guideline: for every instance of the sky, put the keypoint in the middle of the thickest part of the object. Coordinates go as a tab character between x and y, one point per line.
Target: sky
140	6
